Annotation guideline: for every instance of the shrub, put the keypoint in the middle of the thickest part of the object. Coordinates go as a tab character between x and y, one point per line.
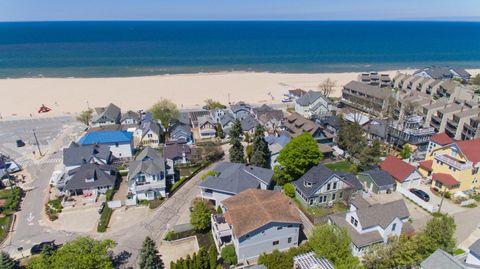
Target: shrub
109	195
104	219
200	217
228	255
169	235
289	190
447	195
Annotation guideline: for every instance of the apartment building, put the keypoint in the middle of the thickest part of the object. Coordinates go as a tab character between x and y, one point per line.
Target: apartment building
366	98
375	79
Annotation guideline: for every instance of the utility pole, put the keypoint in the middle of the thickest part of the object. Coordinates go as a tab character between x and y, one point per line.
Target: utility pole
36	141
441	202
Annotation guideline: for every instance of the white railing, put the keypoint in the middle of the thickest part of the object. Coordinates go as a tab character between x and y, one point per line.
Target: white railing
150	186
457	165
221	229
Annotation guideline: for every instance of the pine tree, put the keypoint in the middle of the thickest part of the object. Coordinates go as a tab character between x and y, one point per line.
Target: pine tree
261	154
236	151
173	265
203	259
212	257
149	257
219	131
6	262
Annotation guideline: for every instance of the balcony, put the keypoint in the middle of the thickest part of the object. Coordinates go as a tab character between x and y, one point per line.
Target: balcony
221	231
451	161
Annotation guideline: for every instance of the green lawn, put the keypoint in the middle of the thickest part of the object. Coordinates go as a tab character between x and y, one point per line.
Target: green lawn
344	166
4	227
458	251
321	211
187	171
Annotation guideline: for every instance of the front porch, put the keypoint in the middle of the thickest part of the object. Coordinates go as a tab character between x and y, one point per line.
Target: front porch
221	231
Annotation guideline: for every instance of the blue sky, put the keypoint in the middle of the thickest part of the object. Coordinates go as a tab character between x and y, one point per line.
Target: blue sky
50	10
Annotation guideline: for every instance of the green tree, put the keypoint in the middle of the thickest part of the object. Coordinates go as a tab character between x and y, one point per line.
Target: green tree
284	259
212	257
261	153
212	104
236	150
398	253
370	155
249	152
350	137
438	233
149	257
85	116
165	111
299	155
406	152
228	255
6	262
200	217
289	190
333	243
219	131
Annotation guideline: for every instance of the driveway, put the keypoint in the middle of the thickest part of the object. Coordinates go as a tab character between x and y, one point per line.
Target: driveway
447	206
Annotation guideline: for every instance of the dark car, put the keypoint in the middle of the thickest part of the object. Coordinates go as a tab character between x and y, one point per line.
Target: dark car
20	143
421	194
37	249
102	207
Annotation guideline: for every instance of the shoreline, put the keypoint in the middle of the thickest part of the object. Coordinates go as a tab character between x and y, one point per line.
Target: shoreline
68	96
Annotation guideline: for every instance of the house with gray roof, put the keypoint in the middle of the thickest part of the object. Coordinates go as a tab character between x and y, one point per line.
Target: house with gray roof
369	224
106	116
275	145
149	133
131	118
233	178
240	110
90	179
441	260
321	186
312	104
271	119
181	133
177	153
473	256
147	175
206	126
76	155
366	98
443	73
377	181
248	124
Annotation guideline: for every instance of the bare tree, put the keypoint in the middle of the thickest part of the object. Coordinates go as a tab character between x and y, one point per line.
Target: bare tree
326	87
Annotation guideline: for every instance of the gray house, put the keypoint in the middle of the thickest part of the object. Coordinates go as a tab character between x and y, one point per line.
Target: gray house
233	178
90	179
131	118
248	124
441	260
106	116
321	186
181	133
240	110
255	222
377	181
76	155
147	176
311	104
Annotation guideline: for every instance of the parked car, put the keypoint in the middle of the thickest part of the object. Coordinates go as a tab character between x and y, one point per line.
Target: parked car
37	249
420	194
20	143
102	207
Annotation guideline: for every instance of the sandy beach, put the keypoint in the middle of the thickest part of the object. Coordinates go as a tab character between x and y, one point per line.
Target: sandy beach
22	97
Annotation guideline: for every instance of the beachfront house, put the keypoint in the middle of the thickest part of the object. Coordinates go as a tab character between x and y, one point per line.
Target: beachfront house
131	118
255	222
76	155
406	175
271	119
147	175
109	115
369	224
233	178
443	73
150	133
312	104
181	133
206	126
120	142
90	179
321	186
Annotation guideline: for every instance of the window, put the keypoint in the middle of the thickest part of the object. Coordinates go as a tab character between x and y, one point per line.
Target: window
352	220
289	240
333	196
279	227
438	184
150	135
341	195
328	186
275	242
334	185
290	226
355	223
310	201
394	226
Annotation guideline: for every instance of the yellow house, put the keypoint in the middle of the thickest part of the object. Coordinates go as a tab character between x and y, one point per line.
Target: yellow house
454	166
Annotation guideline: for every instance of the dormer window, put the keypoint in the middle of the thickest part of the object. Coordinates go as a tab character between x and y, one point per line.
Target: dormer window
307	184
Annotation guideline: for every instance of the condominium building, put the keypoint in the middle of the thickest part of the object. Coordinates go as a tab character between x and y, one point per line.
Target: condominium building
375	79
366	98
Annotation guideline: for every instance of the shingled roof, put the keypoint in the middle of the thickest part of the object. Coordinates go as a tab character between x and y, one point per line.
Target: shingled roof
266	206
77	154
397	168
100	176
111	112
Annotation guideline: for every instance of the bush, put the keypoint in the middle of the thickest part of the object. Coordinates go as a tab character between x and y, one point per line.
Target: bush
169	235
447	195
211	173
289	190
228	255
200	216
109	195
53	208
104	219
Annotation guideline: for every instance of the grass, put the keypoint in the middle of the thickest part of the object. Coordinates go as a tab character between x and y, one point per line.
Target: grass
320	211
5	223
344	166
53	208
458	251
104	219
187	171
155	203
12	200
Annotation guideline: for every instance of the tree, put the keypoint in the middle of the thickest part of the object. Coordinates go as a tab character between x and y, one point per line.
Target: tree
398	253
350	137
249	152
212	257
299	155
406	152
284	259
370	155
438	233
228	255
289	190
165	111
212	104
85	116
236	150
333	243
200	217
6	262
326	87
261	153
219	131
149	257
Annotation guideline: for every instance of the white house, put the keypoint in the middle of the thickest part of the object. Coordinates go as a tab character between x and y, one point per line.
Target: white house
149	133
90	179
406	175
131	118
106	116
206	126
311	104
120	142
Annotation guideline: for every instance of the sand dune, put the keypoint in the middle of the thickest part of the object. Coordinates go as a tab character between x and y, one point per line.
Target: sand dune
20	97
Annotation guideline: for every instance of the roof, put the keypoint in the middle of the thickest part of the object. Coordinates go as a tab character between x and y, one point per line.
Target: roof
441	139
148	153
176	150
381	178
240	106
149	161
236	177
358	239
248	123
276	143
180	132
226	118
382	214
266	114
202	120
445	179
297	125
324	148
376	127
382	93
471	149
309	98
151	125
111	112
397	168
77	154
427	164
475	248
318	175
441	260
106	137
101	175
131	115
269	206
311	261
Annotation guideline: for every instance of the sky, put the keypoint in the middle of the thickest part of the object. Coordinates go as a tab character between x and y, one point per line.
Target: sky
73	10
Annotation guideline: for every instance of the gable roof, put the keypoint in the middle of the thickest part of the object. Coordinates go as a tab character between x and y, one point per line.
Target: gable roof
379	177
248	123
441	139
100	173
358	239
237	107
309	98
131	115
445	179
77	154
297	125
318	176
471	149
426	164
148	153
441	260
382	214
111	112
105	137
180	132
151	125
397	168
174	151
236	177
269	206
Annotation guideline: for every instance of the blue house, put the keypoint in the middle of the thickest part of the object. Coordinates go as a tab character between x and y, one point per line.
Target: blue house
120	142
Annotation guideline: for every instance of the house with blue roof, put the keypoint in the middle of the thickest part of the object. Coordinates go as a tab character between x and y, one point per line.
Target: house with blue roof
120	142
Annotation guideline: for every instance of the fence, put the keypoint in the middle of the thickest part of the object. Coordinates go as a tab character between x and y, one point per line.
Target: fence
425	205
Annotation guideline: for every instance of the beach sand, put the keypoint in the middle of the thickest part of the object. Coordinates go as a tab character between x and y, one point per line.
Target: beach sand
22	97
